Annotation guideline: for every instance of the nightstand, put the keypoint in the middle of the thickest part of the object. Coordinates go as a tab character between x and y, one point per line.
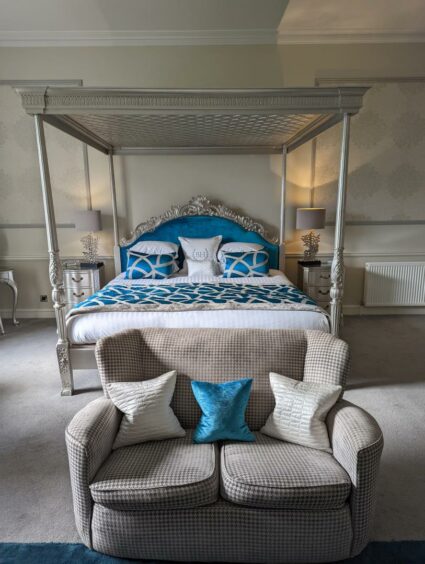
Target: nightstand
315	281
81	282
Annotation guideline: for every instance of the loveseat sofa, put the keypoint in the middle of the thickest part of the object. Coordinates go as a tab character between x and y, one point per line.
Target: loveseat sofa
265	501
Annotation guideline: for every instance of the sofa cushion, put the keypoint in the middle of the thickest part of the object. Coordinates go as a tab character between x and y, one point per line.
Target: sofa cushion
279	475
169	474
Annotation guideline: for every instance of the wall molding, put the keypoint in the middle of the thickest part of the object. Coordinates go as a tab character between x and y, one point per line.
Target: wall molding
348	36
357	77
40	83
19	258
109	38
27	313
35	226
266	36
362	310
290	255
365	254
349	310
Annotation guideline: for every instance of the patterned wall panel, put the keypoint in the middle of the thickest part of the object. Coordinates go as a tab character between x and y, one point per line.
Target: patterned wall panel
387	165
20	190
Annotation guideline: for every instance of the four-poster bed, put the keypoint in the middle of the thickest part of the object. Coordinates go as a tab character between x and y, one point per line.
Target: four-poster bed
131	121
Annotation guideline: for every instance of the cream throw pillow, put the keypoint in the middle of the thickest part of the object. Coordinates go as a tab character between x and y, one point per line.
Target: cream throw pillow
300	411
147	412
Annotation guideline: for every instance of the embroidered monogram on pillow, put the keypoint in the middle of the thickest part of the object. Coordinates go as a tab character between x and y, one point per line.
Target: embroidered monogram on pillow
201	255
146	408
300	411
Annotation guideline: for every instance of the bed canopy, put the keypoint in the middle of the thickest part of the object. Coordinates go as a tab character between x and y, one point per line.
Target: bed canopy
207	121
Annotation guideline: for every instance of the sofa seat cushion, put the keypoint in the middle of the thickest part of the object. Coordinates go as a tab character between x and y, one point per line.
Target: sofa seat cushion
168	474
274	474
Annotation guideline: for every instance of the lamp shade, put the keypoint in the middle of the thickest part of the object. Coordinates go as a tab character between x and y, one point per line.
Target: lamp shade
310	218
88	220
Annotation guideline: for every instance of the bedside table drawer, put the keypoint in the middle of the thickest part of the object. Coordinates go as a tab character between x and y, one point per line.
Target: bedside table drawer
319	293
75	296
78	278
319	277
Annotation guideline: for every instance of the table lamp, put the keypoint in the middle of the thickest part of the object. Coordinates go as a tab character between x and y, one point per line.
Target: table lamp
310	218
89	220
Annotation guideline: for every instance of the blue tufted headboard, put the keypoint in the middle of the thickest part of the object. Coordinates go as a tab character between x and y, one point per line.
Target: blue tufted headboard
202	226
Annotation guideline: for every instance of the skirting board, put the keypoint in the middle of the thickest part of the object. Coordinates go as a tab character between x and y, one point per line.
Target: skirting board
28	313
362	310
348	310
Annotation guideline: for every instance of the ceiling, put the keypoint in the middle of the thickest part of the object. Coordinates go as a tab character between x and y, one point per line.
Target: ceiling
180	22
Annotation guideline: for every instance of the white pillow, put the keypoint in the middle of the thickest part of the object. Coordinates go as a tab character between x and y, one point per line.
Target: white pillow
236	247
155	248
147	412
201	255
300	411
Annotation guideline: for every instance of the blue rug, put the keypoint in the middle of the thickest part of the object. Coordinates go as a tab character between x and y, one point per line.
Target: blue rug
401	552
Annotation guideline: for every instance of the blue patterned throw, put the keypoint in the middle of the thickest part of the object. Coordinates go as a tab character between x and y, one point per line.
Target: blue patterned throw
188	296
140	265
223	411
249	263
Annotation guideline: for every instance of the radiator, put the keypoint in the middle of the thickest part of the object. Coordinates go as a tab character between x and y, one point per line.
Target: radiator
394	284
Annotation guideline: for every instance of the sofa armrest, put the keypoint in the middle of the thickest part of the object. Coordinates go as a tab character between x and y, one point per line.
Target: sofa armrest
357	443
89	439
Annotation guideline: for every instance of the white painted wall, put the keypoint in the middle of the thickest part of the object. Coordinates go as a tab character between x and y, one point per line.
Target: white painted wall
148	185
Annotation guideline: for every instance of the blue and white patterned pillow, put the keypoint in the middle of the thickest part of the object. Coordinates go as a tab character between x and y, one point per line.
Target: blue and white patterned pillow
140	265
250	263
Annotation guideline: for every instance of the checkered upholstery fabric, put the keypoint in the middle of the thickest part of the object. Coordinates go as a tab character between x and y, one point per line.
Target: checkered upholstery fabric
279	475
224	532
211	355
170	474
357	444
89	439
320	528
327	359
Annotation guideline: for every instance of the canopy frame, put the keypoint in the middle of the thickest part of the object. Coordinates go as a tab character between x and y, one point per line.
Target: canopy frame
281	119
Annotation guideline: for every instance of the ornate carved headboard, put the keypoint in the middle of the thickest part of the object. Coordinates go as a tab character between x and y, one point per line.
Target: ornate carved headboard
202	218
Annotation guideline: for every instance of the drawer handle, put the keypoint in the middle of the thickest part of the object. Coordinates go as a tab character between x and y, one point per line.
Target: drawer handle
78	295
323	293
77	279
325	277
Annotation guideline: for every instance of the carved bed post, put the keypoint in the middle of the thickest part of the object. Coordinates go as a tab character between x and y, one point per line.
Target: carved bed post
282	250
117	256
55	265
337	272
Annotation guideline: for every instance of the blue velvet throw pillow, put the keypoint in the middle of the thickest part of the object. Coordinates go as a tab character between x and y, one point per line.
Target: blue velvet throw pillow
223	411
249	263
140	265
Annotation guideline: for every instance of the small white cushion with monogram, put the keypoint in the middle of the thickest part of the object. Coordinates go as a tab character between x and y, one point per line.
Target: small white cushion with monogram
201	255
146	408
300	411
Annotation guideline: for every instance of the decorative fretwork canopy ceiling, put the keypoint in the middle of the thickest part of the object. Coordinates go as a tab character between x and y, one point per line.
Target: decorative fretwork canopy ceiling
134	121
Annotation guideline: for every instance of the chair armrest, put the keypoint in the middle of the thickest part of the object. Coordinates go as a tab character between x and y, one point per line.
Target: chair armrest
357	444
89	438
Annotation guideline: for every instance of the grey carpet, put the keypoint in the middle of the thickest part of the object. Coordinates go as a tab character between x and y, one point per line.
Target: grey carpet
388	379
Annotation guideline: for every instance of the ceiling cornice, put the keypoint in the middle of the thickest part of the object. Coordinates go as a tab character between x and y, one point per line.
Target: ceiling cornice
200	37
136	38
348	36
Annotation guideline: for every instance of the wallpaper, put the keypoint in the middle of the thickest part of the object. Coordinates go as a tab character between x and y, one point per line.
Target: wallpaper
386	164
20	191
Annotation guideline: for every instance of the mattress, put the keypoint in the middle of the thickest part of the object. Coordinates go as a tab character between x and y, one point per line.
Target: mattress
88	328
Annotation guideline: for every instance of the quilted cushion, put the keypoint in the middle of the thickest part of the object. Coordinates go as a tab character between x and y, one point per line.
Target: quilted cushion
279	475
170	474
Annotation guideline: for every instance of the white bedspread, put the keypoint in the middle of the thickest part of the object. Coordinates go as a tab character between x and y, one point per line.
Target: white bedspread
88	328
